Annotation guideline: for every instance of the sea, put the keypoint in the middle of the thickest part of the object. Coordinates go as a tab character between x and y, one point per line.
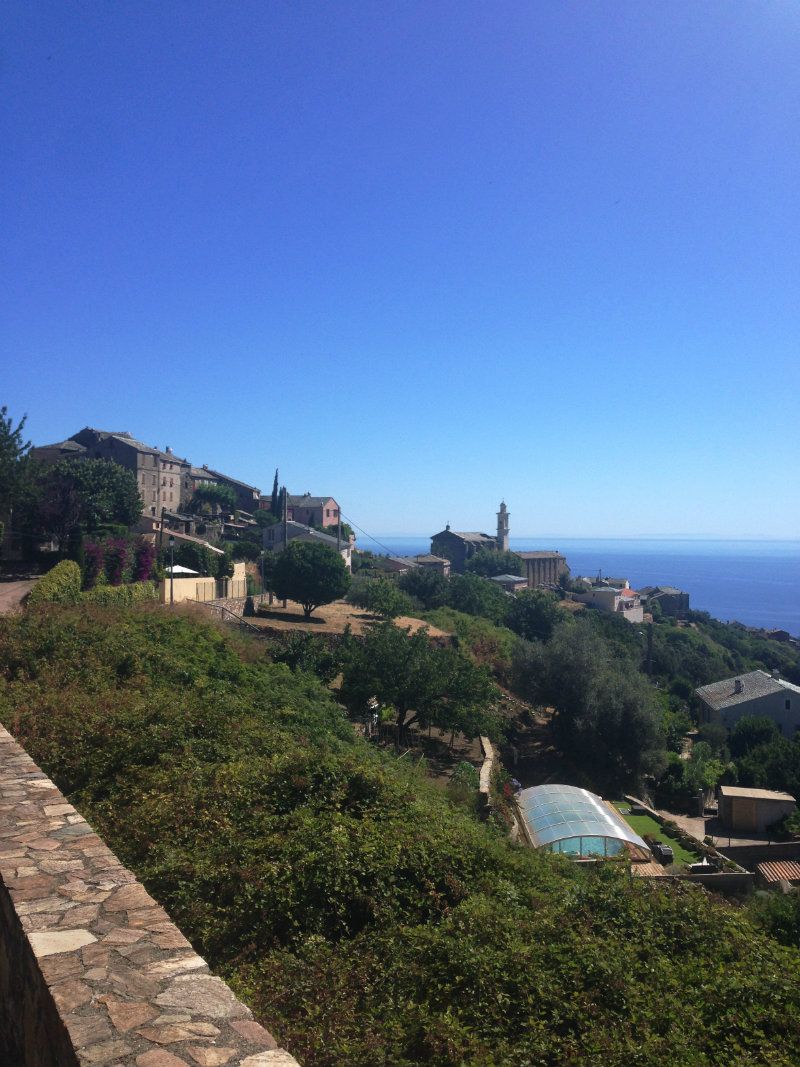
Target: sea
753	582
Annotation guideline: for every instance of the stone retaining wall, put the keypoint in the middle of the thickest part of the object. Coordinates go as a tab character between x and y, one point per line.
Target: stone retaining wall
92	970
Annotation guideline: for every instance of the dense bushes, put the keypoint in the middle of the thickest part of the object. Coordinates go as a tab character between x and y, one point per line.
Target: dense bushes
133	593
60	585
299	861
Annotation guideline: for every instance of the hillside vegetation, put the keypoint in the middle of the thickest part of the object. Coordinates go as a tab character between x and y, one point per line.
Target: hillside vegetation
367	919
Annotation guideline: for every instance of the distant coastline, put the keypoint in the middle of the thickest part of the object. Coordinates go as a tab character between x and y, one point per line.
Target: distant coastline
755	582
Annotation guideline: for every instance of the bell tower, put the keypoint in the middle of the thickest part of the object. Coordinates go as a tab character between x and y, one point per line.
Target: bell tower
502	528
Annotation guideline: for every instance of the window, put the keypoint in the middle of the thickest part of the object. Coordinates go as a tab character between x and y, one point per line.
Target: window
787	705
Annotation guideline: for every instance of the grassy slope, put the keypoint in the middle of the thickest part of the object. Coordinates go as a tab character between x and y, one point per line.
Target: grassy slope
368	920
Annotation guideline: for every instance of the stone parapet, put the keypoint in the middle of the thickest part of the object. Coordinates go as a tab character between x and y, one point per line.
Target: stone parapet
92	970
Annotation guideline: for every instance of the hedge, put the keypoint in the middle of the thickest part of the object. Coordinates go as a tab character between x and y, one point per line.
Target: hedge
61	585
133	593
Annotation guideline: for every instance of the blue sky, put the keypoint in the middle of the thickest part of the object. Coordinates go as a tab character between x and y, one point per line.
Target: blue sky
420	256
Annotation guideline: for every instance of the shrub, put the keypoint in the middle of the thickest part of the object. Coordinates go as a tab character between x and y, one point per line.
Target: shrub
143	560
116	560
382	597
93	561
134	593
61	585
243	550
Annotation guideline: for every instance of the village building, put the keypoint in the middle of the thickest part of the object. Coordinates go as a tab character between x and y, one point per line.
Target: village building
673	602
510	583
543	569
164	479
747	810
460	546
247	496
756	693
311	510
433	563
276	537
624	602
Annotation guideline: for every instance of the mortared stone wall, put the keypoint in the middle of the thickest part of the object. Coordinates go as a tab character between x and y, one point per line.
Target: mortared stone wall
92	970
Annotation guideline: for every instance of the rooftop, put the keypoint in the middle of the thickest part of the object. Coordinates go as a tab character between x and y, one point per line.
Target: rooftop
779	870
234	481
753	794
539	555
508	578
468	535
307	500
755	684
140	446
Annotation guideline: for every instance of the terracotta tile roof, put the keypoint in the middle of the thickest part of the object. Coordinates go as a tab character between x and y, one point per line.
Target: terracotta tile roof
778	870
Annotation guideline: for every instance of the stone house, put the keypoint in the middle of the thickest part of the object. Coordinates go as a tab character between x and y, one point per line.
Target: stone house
673	602
248	497
756	693
459	546
163	478
543	569
275	538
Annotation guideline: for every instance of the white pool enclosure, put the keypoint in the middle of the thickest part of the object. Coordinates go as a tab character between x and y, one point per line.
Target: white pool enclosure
573	821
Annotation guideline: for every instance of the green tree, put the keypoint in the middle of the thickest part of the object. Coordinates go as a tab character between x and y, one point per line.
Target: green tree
275	500
426	585
424	684
310	573
90	495
13	460
265	518
533	614
382	597
750	732
607	716
477	596
225	563
488	562
212	499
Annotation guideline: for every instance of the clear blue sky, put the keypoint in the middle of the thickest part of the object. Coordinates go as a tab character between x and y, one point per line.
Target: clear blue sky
419	255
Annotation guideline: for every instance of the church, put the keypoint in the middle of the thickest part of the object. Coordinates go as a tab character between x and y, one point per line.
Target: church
542	569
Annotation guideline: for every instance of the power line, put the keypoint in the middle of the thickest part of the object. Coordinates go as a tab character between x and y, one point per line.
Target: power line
351	522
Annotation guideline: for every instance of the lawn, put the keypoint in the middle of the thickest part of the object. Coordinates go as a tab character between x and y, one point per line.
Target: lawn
646	824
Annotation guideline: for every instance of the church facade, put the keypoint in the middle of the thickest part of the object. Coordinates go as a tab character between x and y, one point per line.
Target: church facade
542	570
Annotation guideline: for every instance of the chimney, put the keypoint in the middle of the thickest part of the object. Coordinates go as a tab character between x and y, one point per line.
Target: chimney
776	674
737	686
168	450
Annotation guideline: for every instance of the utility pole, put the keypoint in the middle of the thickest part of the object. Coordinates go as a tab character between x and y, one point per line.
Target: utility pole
171	571
285	524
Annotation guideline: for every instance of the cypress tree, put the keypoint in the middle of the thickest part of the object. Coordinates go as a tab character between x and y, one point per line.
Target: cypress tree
275	503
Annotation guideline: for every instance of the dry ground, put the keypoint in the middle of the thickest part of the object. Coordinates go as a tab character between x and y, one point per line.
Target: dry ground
13	592
331	619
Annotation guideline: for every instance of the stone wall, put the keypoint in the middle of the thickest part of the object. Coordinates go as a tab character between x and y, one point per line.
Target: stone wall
92	970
